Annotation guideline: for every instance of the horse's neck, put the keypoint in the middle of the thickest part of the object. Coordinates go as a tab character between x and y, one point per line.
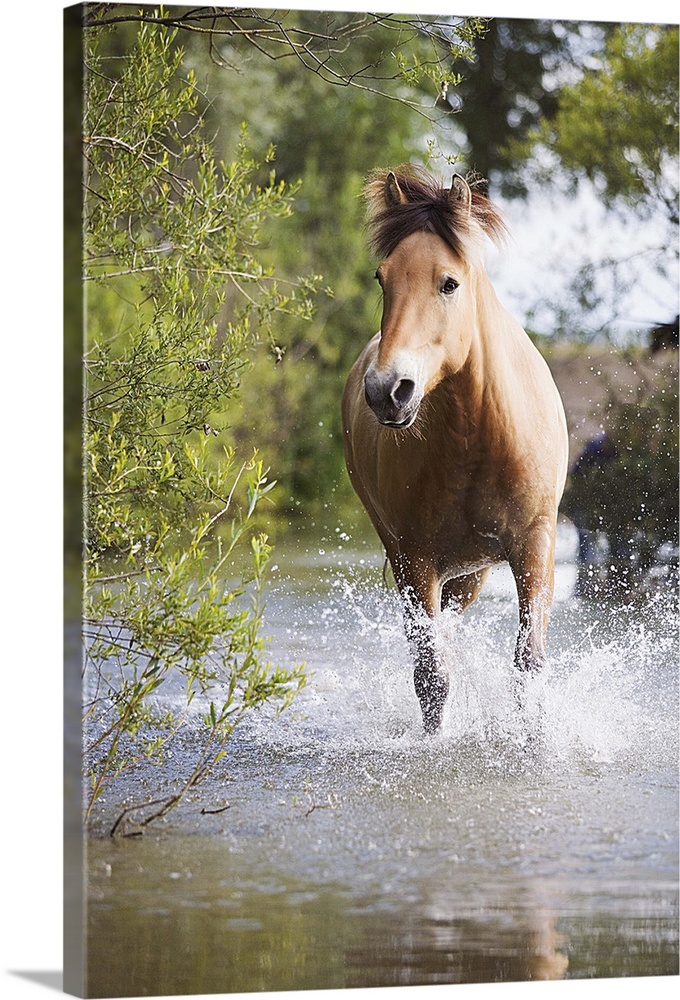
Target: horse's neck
497	343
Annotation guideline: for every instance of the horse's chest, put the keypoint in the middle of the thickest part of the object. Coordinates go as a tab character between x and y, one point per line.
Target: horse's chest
438	495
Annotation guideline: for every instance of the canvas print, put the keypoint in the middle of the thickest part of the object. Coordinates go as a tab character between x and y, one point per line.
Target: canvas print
371	461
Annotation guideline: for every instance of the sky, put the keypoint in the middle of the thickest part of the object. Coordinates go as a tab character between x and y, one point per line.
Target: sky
552	235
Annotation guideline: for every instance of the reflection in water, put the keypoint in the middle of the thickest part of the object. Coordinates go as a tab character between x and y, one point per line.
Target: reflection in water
503	945
521	924
188	915
353	854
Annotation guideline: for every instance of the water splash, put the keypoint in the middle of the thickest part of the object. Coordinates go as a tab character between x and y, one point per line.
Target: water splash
608	694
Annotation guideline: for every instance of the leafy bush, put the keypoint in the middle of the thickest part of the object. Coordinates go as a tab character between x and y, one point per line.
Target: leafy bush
174	297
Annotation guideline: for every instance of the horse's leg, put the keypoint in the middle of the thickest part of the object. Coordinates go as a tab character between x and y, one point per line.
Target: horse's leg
431	682
421	599
461	591
533	565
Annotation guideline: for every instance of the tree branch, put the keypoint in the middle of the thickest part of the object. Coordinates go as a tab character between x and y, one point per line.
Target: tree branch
317	51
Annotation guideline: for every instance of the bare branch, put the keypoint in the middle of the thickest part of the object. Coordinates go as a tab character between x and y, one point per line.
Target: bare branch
278	36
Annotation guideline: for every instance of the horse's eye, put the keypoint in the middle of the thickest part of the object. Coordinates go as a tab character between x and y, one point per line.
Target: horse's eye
449	285
378	278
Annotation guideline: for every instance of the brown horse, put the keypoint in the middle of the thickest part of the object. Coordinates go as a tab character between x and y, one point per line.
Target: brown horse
455	435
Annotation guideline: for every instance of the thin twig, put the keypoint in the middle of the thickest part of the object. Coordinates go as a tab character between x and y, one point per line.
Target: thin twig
215	812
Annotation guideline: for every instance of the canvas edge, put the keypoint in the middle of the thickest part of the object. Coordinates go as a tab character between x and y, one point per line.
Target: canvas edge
74	911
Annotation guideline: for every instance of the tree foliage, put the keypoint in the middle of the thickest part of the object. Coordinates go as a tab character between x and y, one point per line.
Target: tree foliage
618	124
174	294
588	109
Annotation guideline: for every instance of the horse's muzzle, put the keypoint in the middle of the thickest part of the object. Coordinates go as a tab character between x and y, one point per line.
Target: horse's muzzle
393	399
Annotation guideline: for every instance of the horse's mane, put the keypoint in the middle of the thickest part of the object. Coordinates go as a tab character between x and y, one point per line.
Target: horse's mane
430	207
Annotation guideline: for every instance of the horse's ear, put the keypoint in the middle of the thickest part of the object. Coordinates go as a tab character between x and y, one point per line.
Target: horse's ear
460	192
393	193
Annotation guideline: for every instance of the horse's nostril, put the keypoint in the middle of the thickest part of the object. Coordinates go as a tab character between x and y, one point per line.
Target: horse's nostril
403	391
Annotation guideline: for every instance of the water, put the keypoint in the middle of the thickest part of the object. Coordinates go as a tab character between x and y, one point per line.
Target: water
341	849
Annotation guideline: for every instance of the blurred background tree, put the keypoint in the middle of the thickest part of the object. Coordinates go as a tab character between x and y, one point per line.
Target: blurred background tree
623	495
510	84
614	133
585	125
626	102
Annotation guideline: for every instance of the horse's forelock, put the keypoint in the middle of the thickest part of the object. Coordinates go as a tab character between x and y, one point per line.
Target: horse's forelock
429	207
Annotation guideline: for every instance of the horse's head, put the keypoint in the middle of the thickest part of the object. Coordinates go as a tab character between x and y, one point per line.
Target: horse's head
430	240
426	327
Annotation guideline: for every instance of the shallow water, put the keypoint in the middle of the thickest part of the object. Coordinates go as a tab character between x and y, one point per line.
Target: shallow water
348	851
